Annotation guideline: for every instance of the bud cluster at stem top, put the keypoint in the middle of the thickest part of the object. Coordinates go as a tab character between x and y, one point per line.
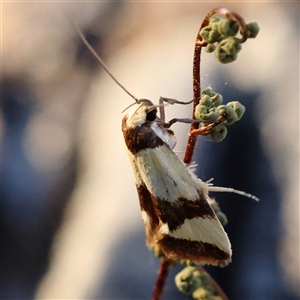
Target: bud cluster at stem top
220	35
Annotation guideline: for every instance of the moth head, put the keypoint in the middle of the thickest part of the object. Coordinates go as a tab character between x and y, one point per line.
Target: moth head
144	111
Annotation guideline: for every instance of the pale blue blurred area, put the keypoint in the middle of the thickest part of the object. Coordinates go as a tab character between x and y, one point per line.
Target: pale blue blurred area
31	202
48	78
20	177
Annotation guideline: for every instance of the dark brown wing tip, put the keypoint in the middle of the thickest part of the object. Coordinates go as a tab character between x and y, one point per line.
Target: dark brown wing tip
195	251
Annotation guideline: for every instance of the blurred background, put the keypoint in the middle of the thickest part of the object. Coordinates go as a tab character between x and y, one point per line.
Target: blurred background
70	218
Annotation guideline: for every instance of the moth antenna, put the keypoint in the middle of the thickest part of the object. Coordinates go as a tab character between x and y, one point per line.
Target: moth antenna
149	108
128	107
89	46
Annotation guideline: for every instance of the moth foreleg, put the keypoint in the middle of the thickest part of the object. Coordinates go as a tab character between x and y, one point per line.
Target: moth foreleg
169	101
161	109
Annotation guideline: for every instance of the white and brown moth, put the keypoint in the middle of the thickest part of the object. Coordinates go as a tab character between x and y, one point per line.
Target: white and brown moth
173	200
175	210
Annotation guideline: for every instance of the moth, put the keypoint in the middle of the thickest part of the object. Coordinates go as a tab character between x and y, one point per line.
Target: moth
174	201
175	210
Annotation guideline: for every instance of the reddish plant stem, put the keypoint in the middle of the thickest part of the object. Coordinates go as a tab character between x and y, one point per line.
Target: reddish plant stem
207	129
160	283
197	93
196	71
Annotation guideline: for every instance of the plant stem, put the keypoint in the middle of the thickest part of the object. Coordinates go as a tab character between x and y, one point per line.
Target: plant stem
197	93
161	278
199	43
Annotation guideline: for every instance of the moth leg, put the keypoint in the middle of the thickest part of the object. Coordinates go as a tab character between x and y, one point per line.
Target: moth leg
183	120
170	101
162	109
173	101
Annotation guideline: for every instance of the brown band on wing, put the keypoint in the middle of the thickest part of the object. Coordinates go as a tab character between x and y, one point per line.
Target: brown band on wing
174	213
147	205
181	249
140	137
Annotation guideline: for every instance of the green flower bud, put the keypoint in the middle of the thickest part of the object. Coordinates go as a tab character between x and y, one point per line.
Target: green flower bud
213	20
222	218
201	294
200	111
186	281
214	205
208	91
252	29
228	112
206	100
214	26
219	133
209	115
212	115
204	33
227	50
210	48
219	100
189	263
209	34
228	28
197	273
238	108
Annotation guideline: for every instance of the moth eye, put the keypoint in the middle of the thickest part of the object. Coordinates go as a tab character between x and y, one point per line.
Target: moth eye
151	115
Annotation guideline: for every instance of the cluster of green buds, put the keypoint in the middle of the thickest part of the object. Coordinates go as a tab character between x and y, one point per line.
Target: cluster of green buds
192	281
210	110
221	37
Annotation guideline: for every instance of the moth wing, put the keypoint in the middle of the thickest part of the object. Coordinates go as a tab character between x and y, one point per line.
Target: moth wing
175	210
